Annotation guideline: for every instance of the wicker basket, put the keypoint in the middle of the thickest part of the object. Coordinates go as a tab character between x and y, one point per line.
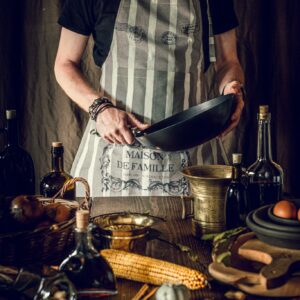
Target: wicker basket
45	244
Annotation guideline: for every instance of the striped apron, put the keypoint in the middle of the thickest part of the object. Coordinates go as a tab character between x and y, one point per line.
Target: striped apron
154	69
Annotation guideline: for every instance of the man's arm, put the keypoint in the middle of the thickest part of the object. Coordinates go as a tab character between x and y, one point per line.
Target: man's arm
230	75
67	71
112	124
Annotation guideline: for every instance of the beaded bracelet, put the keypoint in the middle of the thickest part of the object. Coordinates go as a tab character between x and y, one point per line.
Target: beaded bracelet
97	107
104	107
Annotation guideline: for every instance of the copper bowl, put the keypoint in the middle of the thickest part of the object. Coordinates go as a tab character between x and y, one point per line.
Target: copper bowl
123	231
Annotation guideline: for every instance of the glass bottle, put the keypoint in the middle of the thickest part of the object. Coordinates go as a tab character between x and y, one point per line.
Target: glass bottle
16	165
265	177
52	182
235	203
85	267
39	284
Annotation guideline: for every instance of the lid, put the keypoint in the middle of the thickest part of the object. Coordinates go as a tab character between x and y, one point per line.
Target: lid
11	114
264	112
237	158
82	219
57	144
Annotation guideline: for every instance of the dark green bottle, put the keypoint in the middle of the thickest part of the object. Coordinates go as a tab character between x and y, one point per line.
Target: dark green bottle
236	201
16	165
54	181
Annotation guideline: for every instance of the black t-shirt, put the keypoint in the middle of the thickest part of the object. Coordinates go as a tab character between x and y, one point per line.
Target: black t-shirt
97	17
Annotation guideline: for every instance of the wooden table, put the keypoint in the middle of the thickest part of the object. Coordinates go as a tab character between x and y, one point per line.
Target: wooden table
175	230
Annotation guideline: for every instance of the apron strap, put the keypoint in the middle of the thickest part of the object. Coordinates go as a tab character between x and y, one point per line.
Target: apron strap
212	49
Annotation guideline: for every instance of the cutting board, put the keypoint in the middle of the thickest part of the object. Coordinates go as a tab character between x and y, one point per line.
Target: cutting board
277	277
280	263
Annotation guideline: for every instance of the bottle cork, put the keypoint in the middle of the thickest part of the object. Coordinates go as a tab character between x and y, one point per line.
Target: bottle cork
263	112
57	144
11	114
82	219
237	158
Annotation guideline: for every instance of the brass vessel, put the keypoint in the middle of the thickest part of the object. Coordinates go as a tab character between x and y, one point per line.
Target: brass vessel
208	185
124	231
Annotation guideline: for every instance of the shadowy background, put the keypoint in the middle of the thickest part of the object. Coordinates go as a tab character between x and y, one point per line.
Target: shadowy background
269	48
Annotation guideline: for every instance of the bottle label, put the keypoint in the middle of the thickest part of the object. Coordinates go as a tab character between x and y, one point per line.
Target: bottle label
266	181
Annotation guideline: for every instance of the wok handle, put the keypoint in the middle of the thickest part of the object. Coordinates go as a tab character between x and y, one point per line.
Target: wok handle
184	214
136	132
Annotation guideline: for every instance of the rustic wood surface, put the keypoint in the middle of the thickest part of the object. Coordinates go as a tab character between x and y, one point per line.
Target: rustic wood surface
175	230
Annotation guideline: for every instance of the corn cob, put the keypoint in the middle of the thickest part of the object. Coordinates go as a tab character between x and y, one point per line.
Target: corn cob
153	271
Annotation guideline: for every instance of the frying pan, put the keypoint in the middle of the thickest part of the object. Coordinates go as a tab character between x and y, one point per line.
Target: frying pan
189	128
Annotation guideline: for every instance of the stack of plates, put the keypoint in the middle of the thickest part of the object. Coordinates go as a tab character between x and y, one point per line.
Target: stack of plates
274	230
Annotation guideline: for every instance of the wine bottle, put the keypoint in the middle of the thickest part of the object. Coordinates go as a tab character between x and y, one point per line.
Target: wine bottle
39	284
235	203
85	267
16	165
52	182
265	177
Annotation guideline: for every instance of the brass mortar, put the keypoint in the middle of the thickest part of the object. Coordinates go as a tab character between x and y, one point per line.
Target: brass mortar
208	185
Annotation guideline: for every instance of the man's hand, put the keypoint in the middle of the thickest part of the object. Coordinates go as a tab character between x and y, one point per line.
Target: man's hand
234	87
229	73
114	126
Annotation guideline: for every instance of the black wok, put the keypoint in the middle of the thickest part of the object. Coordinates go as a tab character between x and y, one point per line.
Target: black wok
191	127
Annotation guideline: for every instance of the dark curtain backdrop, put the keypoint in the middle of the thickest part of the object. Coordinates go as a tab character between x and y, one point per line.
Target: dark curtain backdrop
269	48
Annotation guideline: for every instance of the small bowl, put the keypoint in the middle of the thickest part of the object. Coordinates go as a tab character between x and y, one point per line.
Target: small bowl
274	237
123	231
283	221
261	217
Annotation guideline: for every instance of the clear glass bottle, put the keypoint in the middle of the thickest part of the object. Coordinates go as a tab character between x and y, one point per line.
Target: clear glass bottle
16	165
52	182
236	202
38	284
85	267
265	177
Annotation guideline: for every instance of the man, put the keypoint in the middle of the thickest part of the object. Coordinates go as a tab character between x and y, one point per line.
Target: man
153	55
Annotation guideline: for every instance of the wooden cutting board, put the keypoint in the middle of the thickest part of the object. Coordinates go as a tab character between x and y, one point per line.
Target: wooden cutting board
280	263
277	278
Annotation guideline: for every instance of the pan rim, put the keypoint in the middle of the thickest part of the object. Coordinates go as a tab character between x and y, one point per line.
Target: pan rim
199	108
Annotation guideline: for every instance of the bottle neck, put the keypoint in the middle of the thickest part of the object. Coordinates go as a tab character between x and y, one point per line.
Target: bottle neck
57	161
264	147
84	241
12	132
236	172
